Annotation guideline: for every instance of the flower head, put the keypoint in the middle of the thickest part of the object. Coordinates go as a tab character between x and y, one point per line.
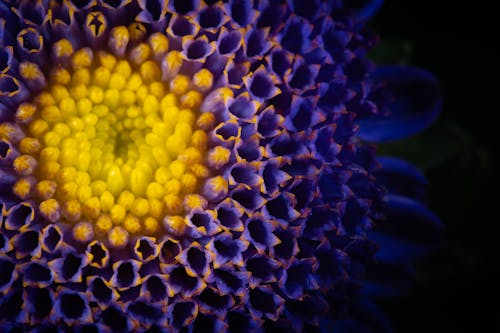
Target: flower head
196	165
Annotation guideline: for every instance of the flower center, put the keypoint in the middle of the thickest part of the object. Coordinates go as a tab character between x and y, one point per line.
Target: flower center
113	149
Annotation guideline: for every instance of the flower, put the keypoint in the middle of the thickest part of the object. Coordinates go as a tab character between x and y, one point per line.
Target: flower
206	166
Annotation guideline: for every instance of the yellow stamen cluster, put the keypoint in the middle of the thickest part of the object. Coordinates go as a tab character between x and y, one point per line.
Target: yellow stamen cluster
113	149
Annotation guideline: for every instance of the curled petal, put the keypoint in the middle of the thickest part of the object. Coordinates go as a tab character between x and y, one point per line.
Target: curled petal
182	314
325	143
260	232
281	61
115	319
301	118
243	173
300	277
9	274
229	217
249	150
20	216
257	43
308	310
181	282
272	16
268	123
180	27
169	249
126	274
226	249
39	302
287	247
302	76
296	36
208	323
235	72
52	238
197	49
229	41
262	269
101	291
249	199
97	254
152	11
242	12
264	302
228	280
227	132
183	6
144	312
334	41
73	307
11	90
6	59
281	208
69	267
242	107
30	42
156	288
5	245
27	244
262	85
11	306
195	260
211	18
285	146
204	223
308	10
304	192
146	249
211	301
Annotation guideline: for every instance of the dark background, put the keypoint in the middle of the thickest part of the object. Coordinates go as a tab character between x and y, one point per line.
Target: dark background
456	289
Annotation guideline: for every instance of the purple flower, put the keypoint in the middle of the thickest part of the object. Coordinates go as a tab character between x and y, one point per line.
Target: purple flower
203	166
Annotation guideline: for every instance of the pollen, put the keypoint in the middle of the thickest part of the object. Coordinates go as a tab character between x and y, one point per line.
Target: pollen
116	144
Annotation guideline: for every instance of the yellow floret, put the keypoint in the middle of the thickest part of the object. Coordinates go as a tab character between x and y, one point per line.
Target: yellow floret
118	237
83	232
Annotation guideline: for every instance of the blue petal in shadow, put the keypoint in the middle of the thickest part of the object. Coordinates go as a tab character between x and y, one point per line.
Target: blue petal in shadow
364	9
401	177
414	102
394	249
410	219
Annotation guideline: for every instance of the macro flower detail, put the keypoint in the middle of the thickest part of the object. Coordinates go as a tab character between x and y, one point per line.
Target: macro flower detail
202	166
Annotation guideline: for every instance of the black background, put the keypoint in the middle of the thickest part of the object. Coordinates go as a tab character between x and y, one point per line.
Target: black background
457	288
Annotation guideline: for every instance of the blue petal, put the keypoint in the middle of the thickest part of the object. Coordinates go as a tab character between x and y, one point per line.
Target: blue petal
395	249
411	219
409	231
414	103
401	177
365	9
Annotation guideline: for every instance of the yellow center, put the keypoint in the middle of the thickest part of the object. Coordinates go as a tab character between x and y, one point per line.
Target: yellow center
113	149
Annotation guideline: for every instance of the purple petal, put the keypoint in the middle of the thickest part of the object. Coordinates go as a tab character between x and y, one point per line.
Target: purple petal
20	216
